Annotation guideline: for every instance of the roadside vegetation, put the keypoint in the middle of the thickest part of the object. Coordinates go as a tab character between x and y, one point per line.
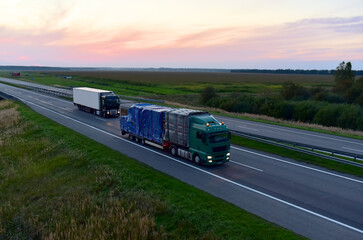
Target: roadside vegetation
58	184
340	106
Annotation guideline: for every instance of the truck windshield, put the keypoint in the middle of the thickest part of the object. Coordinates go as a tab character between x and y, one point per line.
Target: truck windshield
112	101
218	137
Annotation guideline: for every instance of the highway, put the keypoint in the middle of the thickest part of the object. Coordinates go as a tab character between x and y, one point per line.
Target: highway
321	140
309	200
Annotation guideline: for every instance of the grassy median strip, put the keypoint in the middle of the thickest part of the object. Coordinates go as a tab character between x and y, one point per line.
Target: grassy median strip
302	157
58	184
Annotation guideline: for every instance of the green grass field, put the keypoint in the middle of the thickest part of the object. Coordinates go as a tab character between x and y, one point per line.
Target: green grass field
160	84
58	184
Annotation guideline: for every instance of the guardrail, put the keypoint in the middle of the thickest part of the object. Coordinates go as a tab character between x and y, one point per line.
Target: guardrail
52	92
295	146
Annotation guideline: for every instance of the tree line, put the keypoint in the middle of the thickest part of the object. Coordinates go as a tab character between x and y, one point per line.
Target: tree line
340	106
293	71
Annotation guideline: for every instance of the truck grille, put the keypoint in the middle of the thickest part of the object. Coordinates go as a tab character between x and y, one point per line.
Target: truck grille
113	112
220	149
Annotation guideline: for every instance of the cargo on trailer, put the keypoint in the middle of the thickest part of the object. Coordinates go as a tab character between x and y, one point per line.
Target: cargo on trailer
195	135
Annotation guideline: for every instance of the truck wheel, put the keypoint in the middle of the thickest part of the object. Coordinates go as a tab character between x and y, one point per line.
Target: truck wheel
137	139
197	159
123	132
131	137
173	150
143	141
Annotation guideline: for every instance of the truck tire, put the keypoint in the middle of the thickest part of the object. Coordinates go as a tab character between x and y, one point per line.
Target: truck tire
173	150
143	141
197	159
137	139
123	132
131	137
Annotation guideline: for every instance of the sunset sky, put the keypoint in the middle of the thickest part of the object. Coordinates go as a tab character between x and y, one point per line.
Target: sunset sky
260	34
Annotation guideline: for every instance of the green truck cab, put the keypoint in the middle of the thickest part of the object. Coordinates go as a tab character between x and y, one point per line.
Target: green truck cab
209	140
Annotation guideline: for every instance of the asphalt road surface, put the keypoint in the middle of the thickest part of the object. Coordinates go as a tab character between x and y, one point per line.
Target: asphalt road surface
311	201
322	140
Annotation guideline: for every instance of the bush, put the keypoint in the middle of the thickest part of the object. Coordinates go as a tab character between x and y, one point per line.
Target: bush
207	94
359	100
351	117
267	107
328	114
243	104
328	97
305	111
294	91
353	93
284	110
214	102
227	104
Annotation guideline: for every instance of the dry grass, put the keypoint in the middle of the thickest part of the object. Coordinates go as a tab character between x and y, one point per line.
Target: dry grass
9	118
272	119
8	114
110	219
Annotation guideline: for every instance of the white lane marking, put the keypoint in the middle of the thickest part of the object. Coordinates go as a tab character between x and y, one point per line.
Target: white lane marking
249	128
209	173
298	165
353	149
287	130
246	166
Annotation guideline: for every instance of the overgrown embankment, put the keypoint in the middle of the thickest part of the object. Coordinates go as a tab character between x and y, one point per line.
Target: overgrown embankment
58	184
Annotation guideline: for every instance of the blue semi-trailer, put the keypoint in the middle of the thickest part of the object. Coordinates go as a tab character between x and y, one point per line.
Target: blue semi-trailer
191	134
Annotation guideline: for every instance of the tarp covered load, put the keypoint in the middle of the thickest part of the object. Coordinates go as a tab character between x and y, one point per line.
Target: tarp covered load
157	123
146	121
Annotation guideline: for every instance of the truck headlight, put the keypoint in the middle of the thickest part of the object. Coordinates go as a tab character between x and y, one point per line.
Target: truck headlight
210	161
118	111
209	157
227	158
228	154
108	112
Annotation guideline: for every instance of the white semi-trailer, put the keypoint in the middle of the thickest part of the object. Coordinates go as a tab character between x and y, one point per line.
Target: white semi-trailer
100	102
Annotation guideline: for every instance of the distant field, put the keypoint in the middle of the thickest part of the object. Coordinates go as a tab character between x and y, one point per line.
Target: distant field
140	83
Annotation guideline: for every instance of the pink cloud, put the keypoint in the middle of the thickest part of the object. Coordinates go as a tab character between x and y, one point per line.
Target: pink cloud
21	58
306	40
